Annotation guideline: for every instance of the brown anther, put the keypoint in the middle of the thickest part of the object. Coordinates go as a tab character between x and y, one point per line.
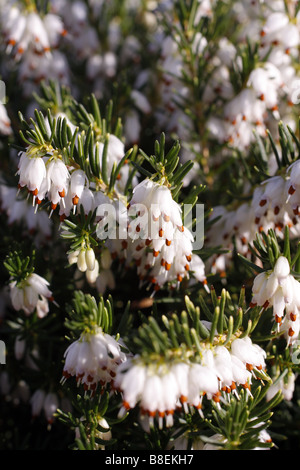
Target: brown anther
293	316
249	367
155	253
265	305
168	242
168	266
161	232
126	405
291	332
276	210
183	399
148	242
189	258
124	244
75	200
263	202
246	386
216	397
187	267
291	190
62	193
138	228
179	278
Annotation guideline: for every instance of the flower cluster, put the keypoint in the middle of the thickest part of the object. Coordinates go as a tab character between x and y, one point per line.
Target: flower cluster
17	209
32	40
274	204
160	388
280	290
31	294
158	242
93	359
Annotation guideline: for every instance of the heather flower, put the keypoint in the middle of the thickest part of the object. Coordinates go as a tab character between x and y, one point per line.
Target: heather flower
27	294
93	359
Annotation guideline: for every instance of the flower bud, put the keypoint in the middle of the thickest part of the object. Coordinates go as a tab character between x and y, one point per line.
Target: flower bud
91	276
282	267
37	401
50	406
73	257
90	259
81	261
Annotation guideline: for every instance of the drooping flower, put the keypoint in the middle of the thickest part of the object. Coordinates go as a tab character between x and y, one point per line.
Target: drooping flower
93	359
27	294
281	291
158	242
161	388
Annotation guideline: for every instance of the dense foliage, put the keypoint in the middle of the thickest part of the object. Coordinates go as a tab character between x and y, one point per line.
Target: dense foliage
150	202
